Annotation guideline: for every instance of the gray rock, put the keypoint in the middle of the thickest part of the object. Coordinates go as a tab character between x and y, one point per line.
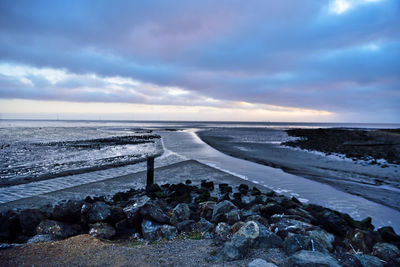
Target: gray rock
180	213
296	242
206	209
152	212
29	219
369	261
55	228
232	217
204	226
98	212
252	234
385	251
321	240
69	211
223	231
308	258
261	263
150	230
221	209
185	226
42	238
284	226
102	230
168	232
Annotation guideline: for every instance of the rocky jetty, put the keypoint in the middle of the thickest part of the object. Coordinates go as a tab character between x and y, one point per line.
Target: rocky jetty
238	220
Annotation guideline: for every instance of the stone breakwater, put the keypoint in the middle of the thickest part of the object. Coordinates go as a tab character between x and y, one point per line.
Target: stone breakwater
239	220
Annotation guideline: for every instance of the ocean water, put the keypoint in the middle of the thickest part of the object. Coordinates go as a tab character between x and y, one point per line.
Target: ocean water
50	149
71	153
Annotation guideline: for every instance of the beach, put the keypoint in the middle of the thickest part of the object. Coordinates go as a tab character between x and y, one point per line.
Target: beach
370	181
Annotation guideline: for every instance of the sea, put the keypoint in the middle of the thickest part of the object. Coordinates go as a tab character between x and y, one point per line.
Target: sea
48	155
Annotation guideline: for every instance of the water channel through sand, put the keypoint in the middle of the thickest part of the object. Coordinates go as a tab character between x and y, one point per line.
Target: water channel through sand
182	145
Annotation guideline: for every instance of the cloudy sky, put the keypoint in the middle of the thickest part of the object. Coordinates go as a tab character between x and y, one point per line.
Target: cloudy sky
259	60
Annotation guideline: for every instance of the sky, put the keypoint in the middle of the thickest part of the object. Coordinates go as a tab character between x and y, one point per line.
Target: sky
259	60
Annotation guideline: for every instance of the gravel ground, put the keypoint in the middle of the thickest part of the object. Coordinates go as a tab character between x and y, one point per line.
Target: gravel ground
85	250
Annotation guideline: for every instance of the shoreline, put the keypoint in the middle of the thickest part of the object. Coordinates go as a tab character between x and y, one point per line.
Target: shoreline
368	182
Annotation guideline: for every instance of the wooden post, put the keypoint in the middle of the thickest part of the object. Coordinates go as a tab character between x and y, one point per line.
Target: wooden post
150	171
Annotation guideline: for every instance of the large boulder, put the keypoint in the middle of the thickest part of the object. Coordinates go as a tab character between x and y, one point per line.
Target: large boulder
132	211
69	211
386	251
55	228
204	227
206	209
180	213
102	230
98	212
223	231
168	232
220	211
252	234
306	258
150	230
285	226
321	240
331	221
29	219
185	226
154	213
296	242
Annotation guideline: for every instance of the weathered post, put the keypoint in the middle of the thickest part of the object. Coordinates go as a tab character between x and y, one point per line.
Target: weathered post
150	171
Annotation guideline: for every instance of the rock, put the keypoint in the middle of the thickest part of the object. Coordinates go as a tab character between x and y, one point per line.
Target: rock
58	229
321	241
271	209
385	251
132	211
9	225
257	218
185	226
223	231
244	189
168	232
220	211
232	217
236	227
252	234
225	189
69	211
180	213
207	209
207	185
388	234
284	226
330	220
102	230
369	261
117	214
42	238
362	240
124	227
29	219
204	196
261	263
308	258
203	226
152	212
255	191
150	230
296	242
98	212
181	192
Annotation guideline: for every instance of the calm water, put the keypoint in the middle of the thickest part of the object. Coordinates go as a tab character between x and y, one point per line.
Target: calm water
49	147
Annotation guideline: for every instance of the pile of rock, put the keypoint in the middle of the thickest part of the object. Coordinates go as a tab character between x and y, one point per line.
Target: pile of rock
239	220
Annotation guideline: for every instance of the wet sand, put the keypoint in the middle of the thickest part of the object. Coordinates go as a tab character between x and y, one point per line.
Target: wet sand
174	173
372	182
